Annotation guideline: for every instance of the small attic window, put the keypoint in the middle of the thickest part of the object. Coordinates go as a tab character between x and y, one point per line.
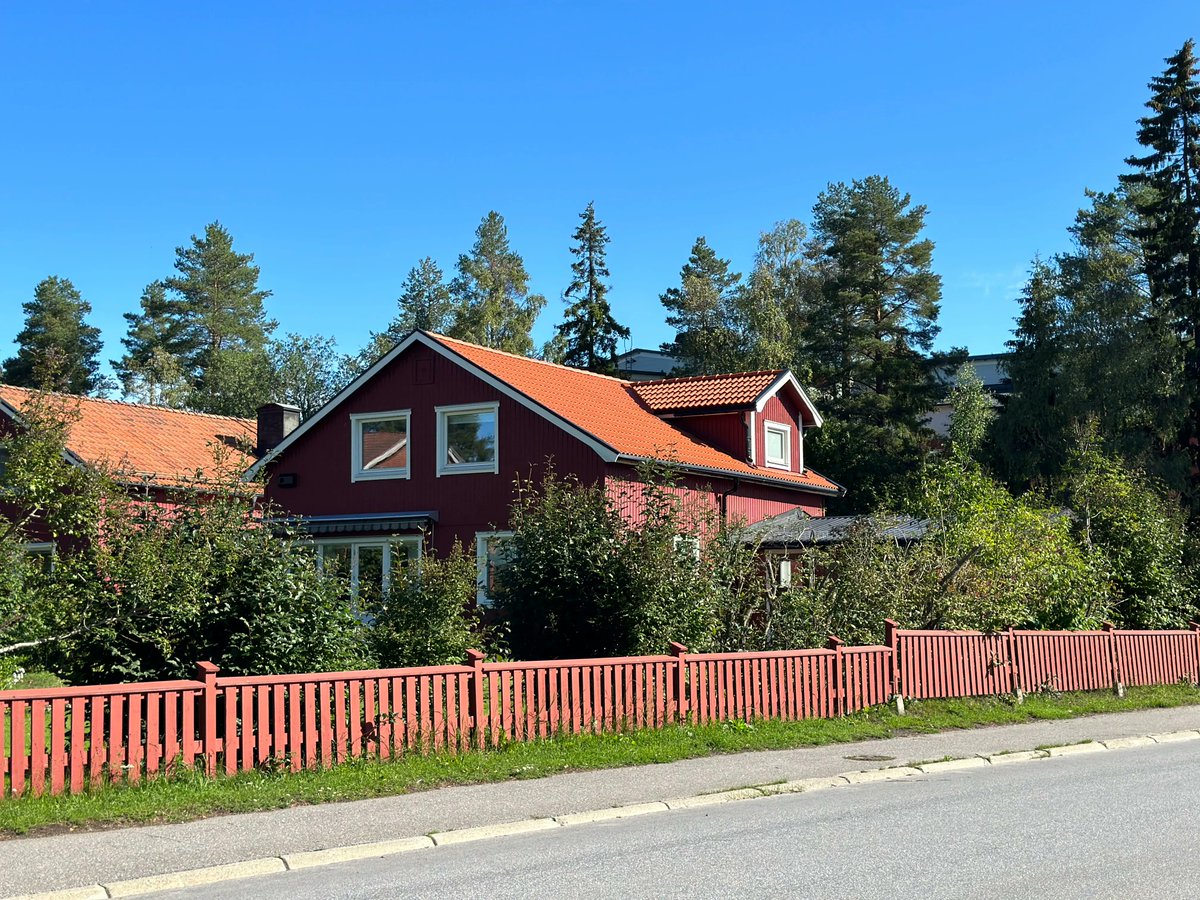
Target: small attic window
379	445
778	449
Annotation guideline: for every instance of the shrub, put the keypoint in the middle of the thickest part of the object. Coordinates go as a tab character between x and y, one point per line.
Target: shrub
428	618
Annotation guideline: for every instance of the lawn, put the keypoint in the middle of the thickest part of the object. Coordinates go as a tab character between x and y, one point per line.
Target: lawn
192	795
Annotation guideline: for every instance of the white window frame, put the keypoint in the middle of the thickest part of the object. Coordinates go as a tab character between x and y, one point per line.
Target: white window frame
779	428
41	548
443	416
482	538
356	544
357	420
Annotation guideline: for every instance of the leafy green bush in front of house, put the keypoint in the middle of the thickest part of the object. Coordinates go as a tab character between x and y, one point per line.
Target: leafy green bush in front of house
428	618
141	591
580	579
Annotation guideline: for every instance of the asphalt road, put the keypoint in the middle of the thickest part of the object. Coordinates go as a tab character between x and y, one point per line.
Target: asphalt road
1117	824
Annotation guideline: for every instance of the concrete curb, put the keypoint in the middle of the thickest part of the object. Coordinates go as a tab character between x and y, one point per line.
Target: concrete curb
310	859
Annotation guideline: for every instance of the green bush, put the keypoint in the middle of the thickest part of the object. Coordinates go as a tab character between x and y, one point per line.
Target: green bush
428	619
580	579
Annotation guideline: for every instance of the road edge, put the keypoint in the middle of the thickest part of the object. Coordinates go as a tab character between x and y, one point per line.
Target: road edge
273	865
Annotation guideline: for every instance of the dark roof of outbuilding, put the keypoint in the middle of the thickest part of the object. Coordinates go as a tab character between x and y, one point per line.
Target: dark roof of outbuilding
796	528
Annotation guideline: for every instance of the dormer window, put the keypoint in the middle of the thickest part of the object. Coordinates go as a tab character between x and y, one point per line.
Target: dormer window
379	445
778	445
466	439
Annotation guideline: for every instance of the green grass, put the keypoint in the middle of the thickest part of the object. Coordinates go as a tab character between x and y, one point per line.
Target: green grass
190	795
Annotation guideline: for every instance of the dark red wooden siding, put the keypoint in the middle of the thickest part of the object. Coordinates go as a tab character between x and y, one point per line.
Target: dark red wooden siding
726	432
465	504
751	502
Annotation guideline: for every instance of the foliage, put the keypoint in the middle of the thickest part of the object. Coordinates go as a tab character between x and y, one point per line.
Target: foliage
429	618
588	332
1166	195
1137	532
218	325
306	371
57	349
492	303
1089	346
580	579
152	371
870	338
706	340
973	413
142	590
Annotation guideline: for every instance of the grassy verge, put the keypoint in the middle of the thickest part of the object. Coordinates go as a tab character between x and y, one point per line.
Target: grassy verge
191	795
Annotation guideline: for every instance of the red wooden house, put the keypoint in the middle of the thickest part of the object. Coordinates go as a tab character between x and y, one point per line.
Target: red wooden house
425	447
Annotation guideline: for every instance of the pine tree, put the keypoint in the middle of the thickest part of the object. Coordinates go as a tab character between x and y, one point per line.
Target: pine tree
589	333
870	338
706	338
151	370
1170	210
57	349
221	328
492	303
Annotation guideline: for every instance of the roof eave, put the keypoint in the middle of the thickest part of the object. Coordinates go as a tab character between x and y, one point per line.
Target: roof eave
836	491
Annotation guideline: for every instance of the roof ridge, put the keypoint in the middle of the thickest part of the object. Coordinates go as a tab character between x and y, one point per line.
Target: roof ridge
686	378
530	359
153	406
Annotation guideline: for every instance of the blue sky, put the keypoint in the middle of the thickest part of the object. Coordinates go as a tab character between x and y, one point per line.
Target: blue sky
341	142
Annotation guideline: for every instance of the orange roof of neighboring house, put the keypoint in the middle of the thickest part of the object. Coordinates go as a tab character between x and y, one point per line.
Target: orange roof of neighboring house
738	390
612	411
152	444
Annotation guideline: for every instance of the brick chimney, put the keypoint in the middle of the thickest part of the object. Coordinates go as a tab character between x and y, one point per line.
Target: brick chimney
275	422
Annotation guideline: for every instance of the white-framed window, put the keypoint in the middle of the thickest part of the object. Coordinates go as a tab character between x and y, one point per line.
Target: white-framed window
368	564
490	557
687	545
40	553
467	438
777	441
379	445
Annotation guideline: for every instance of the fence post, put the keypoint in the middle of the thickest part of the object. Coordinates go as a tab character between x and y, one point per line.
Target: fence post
1014	668
889	638
680	653
1196	631
835	643
475	661
207	673
1114	659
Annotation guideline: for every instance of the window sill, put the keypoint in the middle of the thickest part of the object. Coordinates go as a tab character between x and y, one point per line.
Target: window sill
380	476
472	469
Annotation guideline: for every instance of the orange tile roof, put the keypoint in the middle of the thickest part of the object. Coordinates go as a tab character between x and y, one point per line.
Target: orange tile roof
736	390
153	444
612	411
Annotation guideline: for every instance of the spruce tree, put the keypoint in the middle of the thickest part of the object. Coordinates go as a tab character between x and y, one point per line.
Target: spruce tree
492	303
151	370
424	301
57	349
1170	210
700	311
220	326
588	333
870	338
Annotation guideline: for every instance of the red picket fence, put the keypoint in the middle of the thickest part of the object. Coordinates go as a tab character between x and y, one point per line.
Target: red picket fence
74	738
971	663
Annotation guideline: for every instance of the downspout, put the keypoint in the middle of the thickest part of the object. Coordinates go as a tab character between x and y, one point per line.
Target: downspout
737	483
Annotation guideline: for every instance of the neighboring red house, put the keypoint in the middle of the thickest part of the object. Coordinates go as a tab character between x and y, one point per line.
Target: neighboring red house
425	447
154	451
